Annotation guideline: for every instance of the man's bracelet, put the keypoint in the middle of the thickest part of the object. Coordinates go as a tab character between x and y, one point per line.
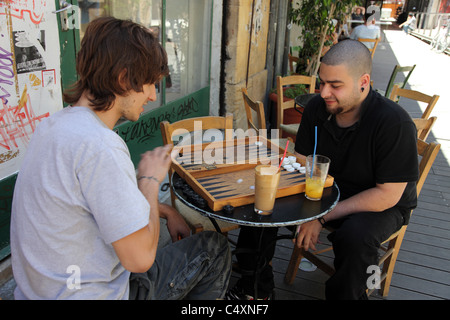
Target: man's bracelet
151	178
322	221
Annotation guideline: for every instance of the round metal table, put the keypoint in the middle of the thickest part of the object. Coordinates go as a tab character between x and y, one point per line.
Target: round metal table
288	211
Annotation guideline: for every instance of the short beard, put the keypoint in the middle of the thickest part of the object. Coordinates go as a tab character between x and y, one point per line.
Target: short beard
337	111
340	110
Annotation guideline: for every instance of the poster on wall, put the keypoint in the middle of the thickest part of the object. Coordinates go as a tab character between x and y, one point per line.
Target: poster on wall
28	58
29	75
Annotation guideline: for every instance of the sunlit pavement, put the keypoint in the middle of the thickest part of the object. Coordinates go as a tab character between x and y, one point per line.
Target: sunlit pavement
431	76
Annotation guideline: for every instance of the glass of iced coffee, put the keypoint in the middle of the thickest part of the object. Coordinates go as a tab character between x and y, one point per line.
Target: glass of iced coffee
267	178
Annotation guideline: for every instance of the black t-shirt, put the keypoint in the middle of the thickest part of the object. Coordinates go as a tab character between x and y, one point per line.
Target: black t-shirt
380	148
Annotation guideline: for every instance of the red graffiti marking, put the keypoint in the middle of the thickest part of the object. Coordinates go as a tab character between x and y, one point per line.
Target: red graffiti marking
33	8
17	124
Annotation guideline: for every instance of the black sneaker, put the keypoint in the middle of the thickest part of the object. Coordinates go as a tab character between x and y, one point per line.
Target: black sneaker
237	293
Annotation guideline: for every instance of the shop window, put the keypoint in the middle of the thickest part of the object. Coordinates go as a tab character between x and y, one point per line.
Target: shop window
188	27
185	35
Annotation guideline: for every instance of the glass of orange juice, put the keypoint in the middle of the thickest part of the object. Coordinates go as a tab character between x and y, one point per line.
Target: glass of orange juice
316	174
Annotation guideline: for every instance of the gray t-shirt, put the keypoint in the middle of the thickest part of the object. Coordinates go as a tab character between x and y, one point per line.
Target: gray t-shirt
75	194
363	31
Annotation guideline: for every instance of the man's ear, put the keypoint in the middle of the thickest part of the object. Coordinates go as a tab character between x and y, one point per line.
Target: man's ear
123	79
364	81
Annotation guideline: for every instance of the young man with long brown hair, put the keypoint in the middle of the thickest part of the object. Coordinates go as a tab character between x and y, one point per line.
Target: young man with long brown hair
83	224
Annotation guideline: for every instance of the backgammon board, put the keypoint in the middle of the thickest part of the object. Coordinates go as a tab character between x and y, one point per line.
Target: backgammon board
222	172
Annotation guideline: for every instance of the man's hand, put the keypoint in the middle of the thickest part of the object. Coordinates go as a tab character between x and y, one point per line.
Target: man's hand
308	235
155	163
178	229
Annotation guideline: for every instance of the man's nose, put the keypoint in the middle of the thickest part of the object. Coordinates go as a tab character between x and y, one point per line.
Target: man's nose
324	91
152	94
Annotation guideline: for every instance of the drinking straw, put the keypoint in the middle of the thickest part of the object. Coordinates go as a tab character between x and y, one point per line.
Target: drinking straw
284	156
314	153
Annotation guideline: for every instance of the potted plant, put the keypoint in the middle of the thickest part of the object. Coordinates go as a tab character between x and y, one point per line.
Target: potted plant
289	92
315	17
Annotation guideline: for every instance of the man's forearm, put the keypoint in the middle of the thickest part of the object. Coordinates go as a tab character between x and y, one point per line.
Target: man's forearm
377	199
150	191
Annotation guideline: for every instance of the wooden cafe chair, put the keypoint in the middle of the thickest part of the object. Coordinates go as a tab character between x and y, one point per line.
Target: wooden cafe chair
375	44
194	219
282	105
258	107
391	246
393	79
424	127
431	101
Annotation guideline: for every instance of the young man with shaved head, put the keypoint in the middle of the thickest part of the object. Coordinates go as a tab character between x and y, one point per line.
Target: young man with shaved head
372	144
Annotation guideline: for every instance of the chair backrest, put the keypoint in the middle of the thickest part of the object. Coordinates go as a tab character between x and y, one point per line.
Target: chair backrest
399	69
398	92
286	81
256	106
375	44
424	127
189	125
428	152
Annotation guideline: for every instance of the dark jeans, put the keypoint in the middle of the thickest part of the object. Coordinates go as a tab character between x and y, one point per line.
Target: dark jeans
252	239
356	241
195	268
